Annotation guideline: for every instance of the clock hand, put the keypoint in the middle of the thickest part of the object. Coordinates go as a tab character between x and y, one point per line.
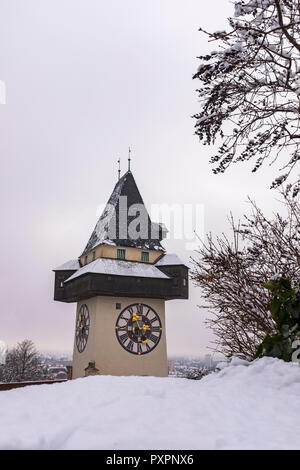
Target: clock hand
135	318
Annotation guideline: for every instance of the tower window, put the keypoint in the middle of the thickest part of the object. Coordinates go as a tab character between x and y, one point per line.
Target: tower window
85	259
94	255
145	256
121	253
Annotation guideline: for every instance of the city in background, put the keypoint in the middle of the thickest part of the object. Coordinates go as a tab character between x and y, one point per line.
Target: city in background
55	364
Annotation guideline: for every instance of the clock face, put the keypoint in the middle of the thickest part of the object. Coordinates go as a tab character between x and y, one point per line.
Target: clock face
138	329
82	328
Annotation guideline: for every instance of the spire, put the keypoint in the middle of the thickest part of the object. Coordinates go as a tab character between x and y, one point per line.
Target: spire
129	158
115	220
119	169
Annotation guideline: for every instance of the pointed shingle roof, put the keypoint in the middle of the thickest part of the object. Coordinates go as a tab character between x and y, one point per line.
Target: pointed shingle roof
113	227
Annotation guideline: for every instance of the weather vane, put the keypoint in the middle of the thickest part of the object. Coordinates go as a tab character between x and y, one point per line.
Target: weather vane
129	158
119	169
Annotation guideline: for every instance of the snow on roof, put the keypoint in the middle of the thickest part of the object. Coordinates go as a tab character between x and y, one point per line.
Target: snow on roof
73	264
116	267
168	260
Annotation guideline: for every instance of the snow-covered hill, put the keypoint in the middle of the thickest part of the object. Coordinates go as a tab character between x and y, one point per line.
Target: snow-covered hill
254	406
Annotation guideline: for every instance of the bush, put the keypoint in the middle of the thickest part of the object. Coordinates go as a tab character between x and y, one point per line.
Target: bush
285	310
197	374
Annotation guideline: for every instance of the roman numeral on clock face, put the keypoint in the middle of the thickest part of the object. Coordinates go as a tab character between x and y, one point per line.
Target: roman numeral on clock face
139	309
123	337
156	329
124	318
130	346
153	338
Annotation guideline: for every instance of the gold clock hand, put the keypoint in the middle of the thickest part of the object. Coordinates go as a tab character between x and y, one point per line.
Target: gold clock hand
135	318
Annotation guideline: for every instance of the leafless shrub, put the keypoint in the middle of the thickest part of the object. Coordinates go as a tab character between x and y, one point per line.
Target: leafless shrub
231	271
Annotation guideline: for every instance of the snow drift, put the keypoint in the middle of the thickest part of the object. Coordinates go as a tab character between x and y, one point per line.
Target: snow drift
244	406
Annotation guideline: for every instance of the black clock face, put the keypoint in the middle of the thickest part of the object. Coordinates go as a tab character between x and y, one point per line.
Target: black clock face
138	329
82	328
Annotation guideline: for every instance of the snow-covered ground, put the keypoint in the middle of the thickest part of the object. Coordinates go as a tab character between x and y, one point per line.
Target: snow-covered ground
243	406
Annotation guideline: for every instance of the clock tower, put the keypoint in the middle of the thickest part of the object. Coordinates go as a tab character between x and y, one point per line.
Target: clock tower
120	283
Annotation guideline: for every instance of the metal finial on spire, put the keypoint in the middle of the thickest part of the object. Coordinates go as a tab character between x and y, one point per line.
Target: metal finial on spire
119	169
129	158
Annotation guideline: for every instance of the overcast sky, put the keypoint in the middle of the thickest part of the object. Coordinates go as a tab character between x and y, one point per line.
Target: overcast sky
84	80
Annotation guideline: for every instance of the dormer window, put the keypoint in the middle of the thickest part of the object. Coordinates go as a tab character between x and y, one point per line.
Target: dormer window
145	256
121	253
94	255
85	259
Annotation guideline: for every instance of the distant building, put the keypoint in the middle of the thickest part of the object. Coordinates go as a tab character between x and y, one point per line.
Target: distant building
57	373
208	361
171	367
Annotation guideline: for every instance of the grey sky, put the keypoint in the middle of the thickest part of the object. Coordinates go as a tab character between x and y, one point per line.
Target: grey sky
84	80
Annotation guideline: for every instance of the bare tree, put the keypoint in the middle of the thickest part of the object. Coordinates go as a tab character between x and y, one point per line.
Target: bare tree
230	273
22	363
250	88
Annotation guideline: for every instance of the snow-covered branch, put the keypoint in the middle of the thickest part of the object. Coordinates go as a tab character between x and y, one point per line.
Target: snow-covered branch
250	87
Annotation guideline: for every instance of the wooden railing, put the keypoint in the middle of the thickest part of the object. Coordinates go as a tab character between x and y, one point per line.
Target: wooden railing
11	385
